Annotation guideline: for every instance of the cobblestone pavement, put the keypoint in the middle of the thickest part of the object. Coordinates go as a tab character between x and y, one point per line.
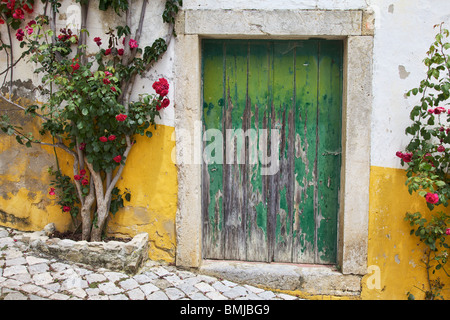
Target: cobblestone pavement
27	275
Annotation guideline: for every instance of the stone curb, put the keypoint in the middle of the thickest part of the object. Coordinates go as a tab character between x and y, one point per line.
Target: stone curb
113	255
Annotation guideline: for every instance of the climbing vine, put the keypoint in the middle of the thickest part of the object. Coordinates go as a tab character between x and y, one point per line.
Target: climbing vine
427	158
87	111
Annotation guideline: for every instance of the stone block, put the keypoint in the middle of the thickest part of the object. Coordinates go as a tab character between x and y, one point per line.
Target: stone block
114	255
273	22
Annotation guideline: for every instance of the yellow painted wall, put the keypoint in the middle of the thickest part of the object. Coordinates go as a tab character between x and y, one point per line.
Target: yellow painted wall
24	183
149	174
152	178
391	248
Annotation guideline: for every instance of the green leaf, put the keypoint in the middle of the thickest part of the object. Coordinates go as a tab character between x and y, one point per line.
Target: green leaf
19	139
84	112
422	193
440	183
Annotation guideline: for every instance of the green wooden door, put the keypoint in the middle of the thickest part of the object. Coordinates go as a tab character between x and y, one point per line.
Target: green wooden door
265	101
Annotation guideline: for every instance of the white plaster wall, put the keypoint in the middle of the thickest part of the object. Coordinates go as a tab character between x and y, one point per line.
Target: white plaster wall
98	23
403	33
271	4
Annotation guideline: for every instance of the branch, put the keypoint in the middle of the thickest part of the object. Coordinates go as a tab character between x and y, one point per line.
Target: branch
77	183
58	56
11	57
10	67
110	187
126	55
138	33
80	154
20	107
7	66
130	84
97	181
58	145
137	36
84	13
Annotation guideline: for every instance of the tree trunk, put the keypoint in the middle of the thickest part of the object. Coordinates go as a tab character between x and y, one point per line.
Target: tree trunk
102	214
96	233
86	219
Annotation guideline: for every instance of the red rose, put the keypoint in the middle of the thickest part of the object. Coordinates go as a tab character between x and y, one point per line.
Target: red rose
77	177
407	157
120	52
20	34
121	117
165	103
10	4
432	198
103	139
66	208
118	158
106	81
112	137
29	29
133	43
82	146
75	66
52	191
27	8
82	172
85	182
113	89
98	41
161	87
107	51
18	14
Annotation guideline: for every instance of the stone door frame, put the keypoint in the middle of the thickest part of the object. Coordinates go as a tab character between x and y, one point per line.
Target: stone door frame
355	28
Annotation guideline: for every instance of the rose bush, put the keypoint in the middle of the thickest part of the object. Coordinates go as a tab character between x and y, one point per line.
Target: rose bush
427	159
88	111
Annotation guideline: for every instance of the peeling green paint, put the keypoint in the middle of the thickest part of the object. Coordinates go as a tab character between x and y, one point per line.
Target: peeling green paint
295	88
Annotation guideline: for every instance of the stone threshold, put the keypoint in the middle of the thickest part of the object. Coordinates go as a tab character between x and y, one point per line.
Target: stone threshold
309	279
127	257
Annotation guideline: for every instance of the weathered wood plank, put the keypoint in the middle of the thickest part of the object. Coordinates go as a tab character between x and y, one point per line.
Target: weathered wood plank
283	101
306	80
212	188
235	178
258	84
329	151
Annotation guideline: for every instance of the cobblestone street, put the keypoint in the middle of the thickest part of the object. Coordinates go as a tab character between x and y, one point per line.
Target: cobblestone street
27	275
